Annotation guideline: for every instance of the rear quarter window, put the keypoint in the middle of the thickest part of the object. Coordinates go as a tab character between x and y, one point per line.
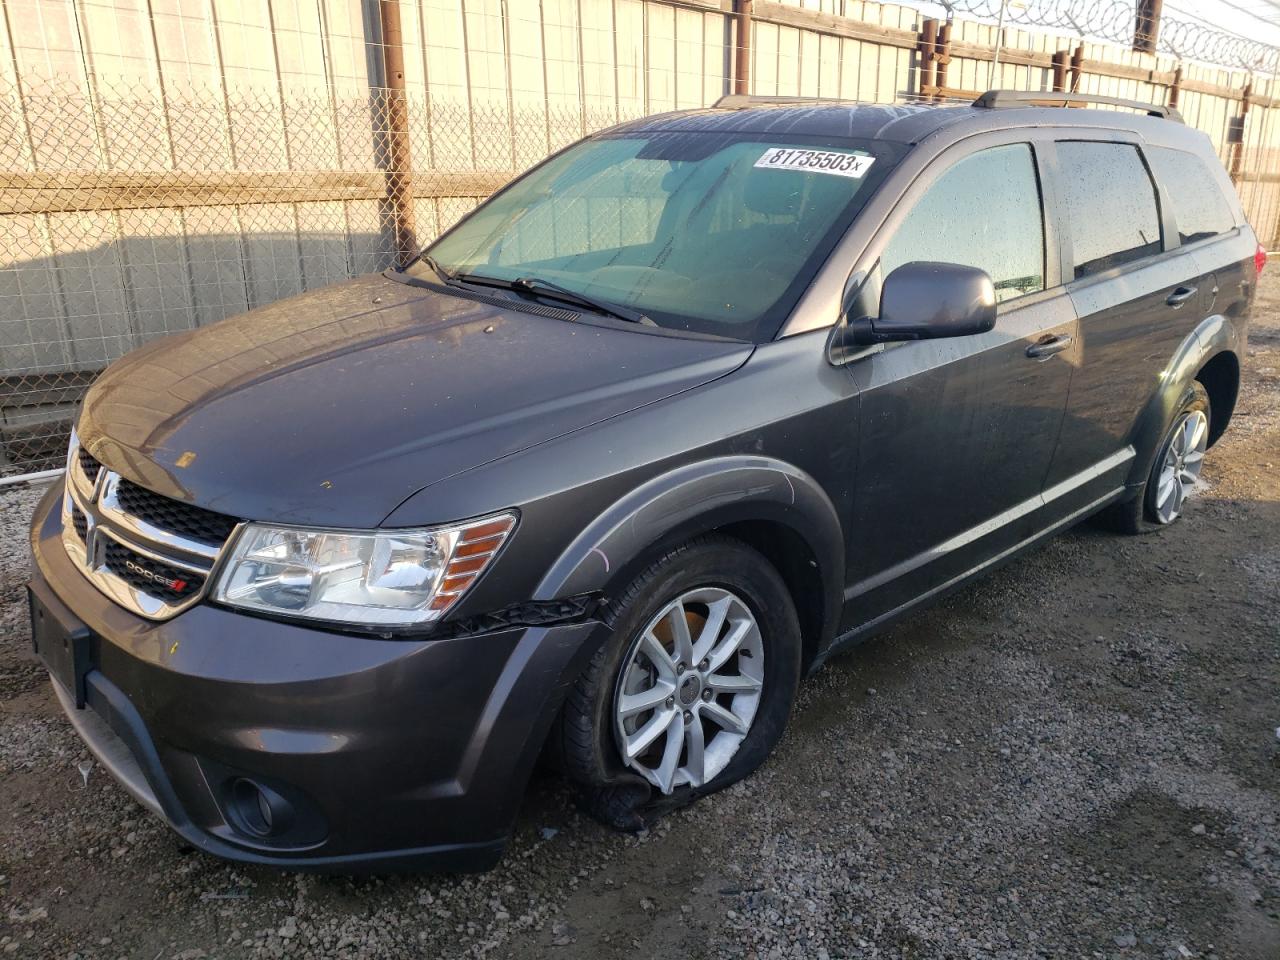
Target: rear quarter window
1194	192
1111	205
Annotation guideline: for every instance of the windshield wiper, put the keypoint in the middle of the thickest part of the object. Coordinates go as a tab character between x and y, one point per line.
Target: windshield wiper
536	286
448	278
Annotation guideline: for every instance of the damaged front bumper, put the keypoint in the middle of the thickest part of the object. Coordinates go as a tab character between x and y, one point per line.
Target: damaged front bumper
270	742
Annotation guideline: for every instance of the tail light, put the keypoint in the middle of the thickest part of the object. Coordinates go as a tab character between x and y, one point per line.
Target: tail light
1259	259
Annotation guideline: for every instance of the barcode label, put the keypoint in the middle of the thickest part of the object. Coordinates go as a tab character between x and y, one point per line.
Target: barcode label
816	161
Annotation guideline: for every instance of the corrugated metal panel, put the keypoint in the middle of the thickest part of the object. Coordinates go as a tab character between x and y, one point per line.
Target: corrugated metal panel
294	89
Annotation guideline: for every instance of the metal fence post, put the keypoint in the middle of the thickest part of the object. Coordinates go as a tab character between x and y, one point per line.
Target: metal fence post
1235	136
993	83
1060	71
1269	107
399	153
1146	25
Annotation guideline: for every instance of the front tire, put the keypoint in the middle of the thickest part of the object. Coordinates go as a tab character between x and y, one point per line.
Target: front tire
693	689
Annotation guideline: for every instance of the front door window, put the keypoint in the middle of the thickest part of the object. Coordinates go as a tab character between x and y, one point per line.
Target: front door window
983	212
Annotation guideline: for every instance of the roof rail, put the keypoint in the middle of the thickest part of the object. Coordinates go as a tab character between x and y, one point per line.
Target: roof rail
736	101
997	99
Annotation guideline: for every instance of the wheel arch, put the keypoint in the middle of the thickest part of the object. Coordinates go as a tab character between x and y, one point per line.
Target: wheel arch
771	505
1220	376
1214	346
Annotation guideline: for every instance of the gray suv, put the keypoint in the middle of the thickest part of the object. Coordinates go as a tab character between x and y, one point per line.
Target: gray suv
640	442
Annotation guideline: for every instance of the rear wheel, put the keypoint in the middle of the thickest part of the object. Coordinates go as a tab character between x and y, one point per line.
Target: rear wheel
1179	468
692	691
1174	472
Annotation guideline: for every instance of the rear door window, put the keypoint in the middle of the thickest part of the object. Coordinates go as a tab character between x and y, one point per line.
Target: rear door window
1111	205
1198	204
982	212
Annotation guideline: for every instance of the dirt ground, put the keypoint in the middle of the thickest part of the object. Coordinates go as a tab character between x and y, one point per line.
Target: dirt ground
1078	756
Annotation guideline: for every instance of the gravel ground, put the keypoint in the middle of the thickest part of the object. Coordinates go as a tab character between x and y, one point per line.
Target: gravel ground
1078	756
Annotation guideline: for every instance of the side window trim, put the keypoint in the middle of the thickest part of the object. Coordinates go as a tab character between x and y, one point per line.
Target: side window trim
1061	267
1170	238
1207	241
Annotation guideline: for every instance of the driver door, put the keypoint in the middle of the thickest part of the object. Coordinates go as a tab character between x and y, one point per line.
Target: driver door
956	435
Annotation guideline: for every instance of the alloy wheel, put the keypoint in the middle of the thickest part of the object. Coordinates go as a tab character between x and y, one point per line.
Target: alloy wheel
1180	468
689	689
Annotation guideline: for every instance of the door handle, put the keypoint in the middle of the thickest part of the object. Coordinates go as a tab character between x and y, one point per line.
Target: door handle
1046	348
1180	296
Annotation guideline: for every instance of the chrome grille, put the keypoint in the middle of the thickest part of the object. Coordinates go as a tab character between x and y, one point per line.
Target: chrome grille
149	553
80	523
173	515
152	576
88	465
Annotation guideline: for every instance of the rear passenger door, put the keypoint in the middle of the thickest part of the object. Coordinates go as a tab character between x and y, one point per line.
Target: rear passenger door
1137	297
1201	197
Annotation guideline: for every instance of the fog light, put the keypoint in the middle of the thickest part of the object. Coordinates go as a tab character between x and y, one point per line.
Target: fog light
259	810
264	810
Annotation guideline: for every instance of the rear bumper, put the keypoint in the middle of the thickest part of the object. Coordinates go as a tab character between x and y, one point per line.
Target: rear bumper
408	754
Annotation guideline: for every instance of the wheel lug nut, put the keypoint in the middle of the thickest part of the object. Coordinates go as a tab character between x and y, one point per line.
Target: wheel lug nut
671	701
704	664
681	667
706	695
687	716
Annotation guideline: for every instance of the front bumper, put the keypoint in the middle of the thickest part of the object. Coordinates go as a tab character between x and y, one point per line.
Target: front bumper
406	754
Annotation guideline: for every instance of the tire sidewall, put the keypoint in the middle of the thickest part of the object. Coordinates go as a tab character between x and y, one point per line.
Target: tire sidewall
1197	399
744	572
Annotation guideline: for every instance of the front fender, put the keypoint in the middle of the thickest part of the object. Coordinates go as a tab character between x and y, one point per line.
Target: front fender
1212	336
694	499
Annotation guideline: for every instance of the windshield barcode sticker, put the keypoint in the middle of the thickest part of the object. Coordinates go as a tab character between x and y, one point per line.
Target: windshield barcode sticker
817	161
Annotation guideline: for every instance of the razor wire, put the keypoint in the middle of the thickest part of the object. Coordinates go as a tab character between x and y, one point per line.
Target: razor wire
1113	20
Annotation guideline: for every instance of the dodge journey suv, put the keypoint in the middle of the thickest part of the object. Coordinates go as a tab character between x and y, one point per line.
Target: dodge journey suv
632	448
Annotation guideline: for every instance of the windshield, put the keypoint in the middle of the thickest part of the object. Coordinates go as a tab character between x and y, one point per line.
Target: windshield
709	232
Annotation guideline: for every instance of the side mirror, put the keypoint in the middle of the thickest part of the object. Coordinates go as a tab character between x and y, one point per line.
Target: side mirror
922	301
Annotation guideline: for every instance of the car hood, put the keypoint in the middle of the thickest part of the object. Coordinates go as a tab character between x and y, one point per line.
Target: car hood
332	407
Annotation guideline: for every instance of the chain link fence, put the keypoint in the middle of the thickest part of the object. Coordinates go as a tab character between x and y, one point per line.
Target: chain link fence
126	214
161	172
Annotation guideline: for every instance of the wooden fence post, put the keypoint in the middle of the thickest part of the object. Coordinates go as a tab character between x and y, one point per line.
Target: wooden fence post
1175	91
399	168
942	53
928	41
1077	67
742	55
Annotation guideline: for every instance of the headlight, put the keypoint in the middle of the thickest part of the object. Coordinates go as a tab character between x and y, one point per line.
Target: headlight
371	578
